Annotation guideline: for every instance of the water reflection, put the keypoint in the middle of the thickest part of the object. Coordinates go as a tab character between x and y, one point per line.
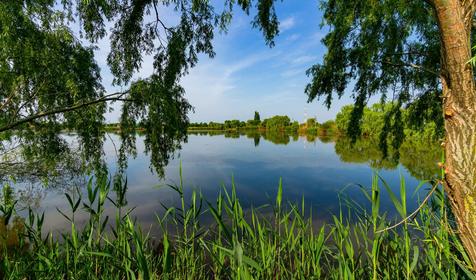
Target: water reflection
419	157
312	166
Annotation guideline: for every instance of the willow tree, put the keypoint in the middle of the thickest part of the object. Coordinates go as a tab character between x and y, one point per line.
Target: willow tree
416	53
50	81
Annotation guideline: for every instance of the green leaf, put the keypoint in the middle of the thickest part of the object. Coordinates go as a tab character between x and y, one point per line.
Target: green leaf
279	196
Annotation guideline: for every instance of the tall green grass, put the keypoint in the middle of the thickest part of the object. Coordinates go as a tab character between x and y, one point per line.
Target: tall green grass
359	242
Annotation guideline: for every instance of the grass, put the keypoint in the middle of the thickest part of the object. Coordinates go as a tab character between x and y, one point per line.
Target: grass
359	243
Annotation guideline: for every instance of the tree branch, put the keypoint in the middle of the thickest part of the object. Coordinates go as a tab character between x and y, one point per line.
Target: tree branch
64	110
7	100
412	65
158	19
414	212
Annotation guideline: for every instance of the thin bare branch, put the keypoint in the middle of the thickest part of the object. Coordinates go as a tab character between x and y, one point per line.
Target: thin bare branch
412	65
414	212
31	118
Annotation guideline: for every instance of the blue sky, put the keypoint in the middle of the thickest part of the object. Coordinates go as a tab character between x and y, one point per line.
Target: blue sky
246	75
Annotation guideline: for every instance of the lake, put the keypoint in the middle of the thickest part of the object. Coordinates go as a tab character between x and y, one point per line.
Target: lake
317	169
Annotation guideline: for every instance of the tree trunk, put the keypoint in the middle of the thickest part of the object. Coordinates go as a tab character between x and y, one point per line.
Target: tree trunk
459	107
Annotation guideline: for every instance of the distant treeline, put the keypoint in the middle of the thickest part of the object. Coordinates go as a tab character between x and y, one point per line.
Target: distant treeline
115	127
372	124
275	123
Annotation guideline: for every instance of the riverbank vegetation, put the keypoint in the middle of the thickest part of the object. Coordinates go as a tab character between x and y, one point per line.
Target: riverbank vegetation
374	118
415	53
275	123
279	240
371	125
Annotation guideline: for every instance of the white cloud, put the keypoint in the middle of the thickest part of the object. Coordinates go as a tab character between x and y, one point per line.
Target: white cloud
303	59
212	85
293	72
287	24
293	37
245	63
245	76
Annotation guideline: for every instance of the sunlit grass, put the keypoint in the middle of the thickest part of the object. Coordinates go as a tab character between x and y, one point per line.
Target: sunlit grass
359	243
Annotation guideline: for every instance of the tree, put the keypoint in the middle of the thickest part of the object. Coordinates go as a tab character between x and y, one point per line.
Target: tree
295	126
328	127
257	118
277	123
49	80
372	122
256	121
418	51
415	50
311	122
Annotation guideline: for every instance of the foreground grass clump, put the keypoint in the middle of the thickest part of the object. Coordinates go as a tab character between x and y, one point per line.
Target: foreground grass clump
358	243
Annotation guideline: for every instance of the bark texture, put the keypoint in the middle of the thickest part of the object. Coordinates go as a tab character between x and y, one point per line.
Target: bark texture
459	101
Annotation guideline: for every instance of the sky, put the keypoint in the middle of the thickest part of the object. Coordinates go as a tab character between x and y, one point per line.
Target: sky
246	75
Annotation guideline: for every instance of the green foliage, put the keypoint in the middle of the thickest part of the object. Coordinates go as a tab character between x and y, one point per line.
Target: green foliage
371	123
327	127
215	125
257	118
255	122
311	122
276	241
43	67
277	123
8	202
50	81
375	119
233	124
252	123
294	127
381	48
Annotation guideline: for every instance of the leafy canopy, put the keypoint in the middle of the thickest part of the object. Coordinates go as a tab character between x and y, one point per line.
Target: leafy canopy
389	47
49	80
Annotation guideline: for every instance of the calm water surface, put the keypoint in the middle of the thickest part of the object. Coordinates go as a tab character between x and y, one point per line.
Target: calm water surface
309	168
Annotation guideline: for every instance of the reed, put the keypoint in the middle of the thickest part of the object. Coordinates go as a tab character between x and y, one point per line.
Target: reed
359	243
